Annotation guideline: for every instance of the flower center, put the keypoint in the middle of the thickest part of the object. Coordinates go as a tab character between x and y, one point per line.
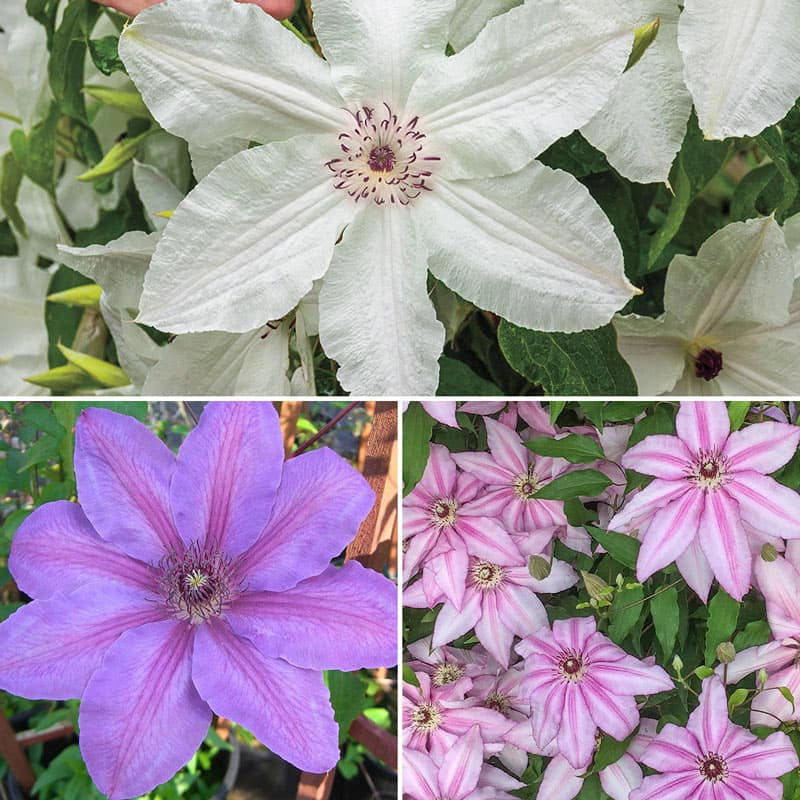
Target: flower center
426	717
571	665
487	576
526	485
709	470
498	702
198	583
713	767
383	159
708	364
443	512
447	673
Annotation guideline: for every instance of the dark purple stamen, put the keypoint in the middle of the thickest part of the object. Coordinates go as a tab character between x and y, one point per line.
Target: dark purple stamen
708	364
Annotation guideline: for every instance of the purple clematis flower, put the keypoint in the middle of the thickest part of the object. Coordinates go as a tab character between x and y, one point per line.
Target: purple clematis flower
711	489
182	585
580	681
713	759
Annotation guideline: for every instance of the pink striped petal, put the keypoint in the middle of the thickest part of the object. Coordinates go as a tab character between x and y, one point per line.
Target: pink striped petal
485	467
577	730
770	707
51	647
674	749
615	714
449	571
574	632
420	775
664	456
56	548
123	471
487	539
287	708
492	632
696	570
724	543
344	618
549	712
452	623
672	530
709	721
703	425
521	610
561	781
764	447
681	786
321	502
461	767
646	502
229	469
780	585
765	504
769	789
492	724
443	411
627	675
483	407
770	656
621	778
128	698
770	758
439	478
506	447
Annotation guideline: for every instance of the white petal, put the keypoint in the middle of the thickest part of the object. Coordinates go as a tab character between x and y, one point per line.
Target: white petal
533	247
246	244
214	69
642	126
207	157
136	351
169	155
157	193
655	349
533	75
743	273
78	201
43	225
791	230
376	318
378	48
741	62
471	16
119	266
223	364
27	69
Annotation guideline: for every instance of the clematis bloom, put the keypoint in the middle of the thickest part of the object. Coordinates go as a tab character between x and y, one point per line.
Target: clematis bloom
280	9
711	490
713	759
408	156
580	681
182	585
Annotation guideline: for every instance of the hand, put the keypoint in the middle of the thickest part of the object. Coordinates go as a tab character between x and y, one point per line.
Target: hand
280	9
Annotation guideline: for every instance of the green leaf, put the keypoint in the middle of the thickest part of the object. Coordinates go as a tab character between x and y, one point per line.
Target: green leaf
417	428
575	155
8	242
723	613
744	203
626	608
786	692
773	145
662	420
754	634
737	411
622	548
585	363
666	617
737	698
556	407
698	162
44	12
574	447
9	190
457	379
105	54
643	37
582	482
36	154
623	410
610	751
348	698
116	158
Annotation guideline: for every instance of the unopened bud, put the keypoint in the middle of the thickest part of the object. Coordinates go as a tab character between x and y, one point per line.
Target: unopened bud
761	679
539	567
677	664
597	588
726	652
768	552
620	580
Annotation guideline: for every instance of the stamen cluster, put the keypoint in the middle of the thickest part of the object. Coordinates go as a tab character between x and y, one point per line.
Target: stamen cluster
571	665
443	512
713	767
426	717
447	673
709	470
487	576
527	484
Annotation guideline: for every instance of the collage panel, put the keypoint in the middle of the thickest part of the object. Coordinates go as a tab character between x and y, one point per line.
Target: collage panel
600	600
198	600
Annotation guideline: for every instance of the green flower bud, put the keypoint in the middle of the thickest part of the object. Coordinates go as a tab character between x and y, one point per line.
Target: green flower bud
726	652
768	552
539	567
597	588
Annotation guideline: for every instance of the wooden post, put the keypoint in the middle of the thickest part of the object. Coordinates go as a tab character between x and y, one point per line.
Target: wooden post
13	753
290	413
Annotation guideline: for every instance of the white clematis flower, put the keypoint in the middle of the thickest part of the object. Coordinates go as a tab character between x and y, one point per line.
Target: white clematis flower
731	324
737	60
414	159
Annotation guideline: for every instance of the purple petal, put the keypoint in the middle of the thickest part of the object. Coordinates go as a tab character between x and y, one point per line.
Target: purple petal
766	505
621	778
780	584
672	530
229	469
664	456
56	548
321	502
561	781
615	714
123	472
461	767
442	411
144	685
696	570
342	619
646	502
287	708
577	730
680	786
764	447
51	647
674	749
420	775
703	425
709	721
770	758
724	543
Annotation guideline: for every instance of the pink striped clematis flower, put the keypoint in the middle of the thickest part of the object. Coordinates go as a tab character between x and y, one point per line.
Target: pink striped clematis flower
713	759
710	494
580	681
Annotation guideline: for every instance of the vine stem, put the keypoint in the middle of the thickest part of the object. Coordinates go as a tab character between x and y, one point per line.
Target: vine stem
333	423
